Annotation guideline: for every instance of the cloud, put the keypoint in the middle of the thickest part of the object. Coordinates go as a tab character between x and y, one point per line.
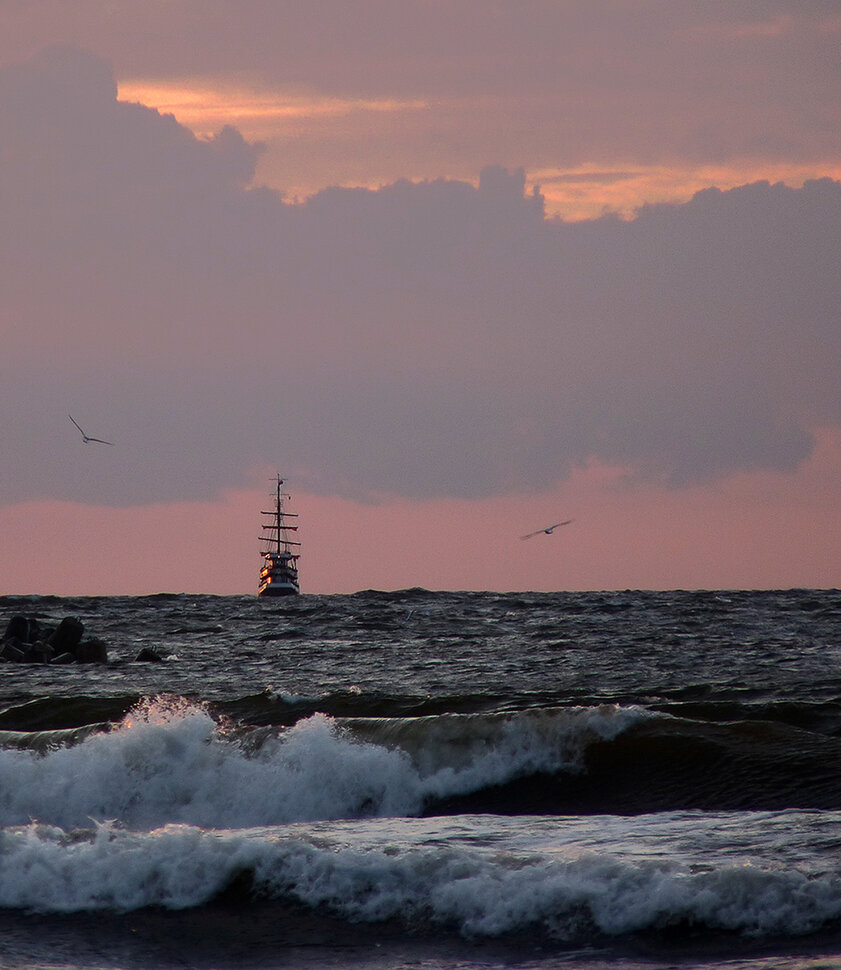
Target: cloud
432	339
554	87
567	83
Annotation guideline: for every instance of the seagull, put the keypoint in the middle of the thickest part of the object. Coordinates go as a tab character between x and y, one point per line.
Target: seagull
548	531
86	437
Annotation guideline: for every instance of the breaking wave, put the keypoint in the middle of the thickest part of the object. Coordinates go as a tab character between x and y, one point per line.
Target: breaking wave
473	891
170	761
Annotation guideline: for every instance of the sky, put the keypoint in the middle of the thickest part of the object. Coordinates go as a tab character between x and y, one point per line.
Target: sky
456	269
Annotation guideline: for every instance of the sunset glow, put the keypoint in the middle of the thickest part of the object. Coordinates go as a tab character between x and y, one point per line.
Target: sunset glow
589	191
585	191
205	109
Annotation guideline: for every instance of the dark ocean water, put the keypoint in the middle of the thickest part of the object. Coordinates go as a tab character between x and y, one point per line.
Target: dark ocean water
419	779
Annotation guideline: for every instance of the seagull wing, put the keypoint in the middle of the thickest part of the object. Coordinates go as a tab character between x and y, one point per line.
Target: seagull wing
547	530
86	437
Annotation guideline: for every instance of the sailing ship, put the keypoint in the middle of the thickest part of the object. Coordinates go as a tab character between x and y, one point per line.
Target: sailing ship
279	575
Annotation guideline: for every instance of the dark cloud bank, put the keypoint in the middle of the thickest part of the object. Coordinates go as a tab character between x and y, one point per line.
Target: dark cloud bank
430	339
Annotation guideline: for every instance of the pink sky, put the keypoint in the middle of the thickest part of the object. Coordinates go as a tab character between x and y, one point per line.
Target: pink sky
359	243
752	531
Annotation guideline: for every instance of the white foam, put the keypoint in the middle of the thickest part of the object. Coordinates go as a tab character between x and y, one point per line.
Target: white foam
170	761
173	765
483	891
46	870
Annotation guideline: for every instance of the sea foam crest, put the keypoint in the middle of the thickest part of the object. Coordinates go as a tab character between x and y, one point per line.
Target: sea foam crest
170	761
490	894
476	892
459	753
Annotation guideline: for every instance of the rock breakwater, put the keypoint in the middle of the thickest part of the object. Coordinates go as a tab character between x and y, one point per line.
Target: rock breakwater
26	640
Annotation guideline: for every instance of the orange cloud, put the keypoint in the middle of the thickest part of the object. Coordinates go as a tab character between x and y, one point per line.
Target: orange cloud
205	106
591	191
585	191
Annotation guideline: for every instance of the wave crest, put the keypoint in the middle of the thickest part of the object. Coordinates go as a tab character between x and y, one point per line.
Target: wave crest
170	761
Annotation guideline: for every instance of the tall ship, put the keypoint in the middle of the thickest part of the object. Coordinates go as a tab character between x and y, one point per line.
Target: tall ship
279	575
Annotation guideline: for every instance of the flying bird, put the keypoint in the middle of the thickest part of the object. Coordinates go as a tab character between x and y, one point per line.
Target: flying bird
86	437
548	531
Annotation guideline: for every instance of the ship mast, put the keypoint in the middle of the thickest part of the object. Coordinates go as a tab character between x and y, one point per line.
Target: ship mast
276	525
279	513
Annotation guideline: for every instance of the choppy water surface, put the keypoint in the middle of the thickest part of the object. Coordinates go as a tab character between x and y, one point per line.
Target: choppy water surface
428	779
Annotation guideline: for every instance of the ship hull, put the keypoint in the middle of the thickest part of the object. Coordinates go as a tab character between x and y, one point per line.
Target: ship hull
278	589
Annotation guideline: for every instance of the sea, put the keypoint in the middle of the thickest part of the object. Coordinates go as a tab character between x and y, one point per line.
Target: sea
618	780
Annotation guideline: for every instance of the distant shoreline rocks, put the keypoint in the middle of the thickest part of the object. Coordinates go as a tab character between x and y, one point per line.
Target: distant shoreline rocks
27	641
